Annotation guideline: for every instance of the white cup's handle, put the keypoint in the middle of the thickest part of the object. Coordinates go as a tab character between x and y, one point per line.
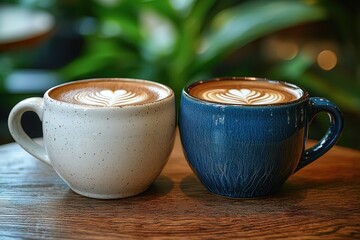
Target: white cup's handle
36	105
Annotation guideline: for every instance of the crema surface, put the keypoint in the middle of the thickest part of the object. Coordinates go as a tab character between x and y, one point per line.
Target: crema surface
245	92
109	93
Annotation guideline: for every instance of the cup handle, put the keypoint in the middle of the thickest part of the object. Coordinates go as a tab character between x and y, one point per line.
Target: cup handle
331	136
36	105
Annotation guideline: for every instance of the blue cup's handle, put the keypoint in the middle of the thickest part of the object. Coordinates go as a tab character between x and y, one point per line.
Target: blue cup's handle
332	134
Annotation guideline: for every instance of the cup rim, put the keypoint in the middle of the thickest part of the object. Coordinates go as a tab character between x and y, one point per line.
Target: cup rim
188	87
170	93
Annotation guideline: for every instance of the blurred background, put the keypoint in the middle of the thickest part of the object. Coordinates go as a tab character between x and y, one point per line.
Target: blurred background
312	43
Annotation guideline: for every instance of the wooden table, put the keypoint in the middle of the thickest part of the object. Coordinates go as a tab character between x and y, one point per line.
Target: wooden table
320	201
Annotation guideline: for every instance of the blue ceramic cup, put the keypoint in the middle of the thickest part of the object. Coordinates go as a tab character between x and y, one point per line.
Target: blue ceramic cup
243	140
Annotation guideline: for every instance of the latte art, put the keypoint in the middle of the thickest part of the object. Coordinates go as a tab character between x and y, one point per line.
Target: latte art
244	96
245	92
110	92
109	98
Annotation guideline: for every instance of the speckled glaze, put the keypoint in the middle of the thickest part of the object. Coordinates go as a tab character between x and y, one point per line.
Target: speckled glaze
250	151
101	152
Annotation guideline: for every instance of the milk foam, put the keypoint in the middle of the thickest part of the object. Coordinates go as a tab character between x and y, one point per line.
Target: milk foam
243	96
110	93
109	98
245	92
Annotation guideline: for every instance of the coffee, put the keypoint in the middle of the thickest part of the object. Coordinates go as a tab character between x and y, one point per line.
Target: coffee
109	92
244	137
245	92
102	152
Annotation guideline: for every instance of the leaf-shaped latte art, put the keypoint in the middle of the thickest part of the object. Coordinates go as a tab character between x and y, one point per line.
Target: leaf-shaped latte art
109	98
244	96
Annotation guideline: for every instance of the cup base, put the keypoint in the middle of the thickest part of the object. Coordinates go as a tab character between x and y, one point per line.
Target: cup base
107	196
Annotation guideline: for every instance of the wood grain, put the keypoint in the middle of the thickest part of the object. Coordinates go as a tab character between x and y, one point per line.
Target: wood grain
320	201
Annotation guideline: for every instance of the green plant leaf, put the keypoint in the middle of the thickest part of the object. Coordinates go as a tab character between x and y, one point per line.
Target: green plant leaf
331	85
100	53
121	20
188	40
164	8
347	101
235	27
294	69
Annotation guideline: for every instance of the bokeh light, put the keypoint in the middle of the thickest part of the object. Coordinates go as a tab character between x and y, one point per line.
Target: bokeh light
327	60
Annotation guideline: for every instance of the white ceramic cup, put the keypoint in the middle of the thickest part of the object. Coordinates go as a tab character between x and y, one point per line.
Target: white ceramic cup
101	152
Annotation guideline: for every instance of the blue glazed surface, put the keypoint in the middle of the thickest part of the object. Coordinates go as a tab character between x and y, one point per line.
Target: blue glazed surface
248	151
331	136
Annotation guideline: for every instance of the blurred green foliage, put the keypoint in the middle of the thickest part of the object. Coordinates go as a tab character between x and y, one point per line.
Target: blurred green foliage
178	41
175	42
